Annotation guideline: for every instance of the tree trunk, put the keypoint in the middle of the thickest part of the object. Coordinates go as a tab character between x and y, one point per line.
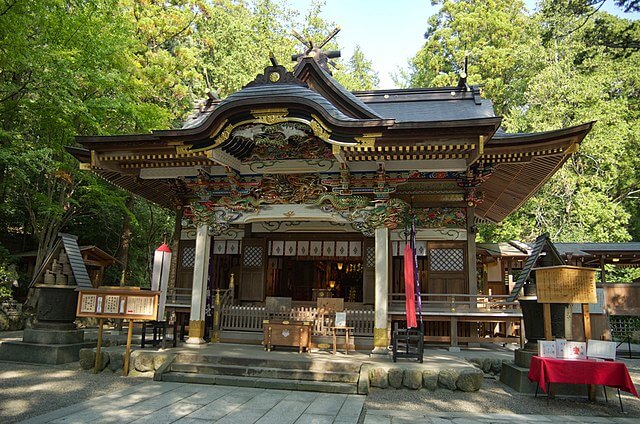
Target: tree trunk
125	240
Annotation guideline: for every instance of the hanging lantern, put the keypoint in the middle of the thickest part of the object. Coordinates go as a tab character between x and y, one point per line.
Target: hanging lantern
160	276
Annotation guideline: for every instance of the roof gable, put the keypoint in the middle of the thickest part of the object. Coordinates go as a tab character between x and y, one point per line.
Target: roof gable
55	262
324	84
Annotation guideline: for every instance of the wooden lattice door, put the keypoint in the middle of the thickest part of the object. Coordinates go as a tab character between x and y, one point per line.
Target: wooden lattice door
252	281
447	269
368	271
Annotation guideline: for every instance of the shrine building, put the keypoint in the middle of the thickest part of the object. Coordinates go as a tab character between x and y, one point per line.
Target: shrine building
304	190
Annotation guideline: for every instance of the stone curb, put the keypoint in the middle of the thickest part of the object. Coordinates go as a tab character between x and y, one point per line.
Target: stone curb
468	379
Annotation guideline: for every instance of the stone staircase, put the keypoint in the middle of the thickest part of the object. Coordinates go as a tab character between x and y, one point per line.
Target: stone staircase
314	375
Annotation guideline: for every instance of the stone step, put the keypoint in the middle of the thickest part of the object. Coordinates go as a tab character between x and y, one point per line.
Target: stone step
300	363
263	383
266	372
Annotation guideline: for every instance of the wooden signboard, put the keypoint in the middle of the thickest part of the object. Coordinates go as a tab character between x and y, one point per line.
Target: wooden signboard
331	304
566	284
129	303
117	302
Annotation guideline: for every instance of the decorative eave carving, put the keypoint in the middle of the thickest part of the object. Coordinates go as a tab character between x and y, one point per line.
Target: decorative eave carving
277	74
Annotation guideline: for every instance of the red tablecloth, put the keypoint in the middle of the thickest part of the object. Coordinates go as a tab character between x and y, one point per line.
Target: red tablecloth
577	371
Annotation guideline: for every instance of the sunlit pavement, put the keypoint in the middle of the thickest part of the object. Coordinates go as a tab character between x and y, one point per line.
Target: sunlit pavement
163	402
402	417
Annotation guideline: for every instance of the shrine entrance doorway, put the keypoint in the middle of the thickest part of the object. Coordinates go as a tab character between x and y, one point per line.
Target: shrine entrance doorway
306	279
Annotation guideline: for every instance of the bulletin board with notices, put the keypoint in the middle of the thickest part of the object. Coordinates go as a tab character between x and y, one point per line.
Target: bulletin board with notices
566	284
131	303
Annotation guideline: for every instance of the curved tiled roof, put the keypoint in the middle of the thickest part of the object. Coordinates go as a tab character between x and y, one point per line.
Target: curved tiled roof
286	91
428	104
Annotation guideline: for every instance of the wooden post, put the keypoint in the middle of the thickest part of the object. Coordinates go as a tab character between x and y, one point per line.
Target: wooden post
546	308
454	331
96	364
586	321
127	353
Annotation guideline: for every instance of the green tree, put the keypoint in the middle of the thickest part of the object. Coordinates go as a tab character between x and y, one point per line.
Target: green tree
71	67
542	74
495	39
358	73
65	70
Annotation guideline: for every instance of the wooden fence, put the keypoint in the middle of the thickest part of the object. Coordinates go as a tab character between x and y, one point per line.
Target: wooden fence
250	318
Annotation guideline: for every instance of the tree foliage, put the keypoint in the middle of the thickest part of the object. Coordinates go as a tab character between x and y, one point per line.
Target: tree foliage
543	73
74	67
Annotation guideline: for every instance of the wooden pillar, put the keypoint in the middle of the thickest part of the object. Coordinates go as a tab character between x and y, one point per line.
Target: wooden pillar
198	290
381	294
454	332
603	273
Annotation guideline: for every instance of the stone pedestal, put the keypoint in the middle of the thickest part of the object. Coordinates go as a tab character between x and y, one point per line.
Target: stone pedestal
522	358
45	346
515	375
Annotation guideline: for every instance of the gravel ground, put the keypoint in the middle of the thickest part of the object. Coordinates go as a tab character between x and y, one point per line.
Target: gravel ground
494	397
29	390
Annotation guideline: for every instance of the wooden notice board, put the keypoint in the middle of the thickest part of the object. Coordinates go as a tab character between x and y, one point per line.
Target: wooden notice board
125	303
566	284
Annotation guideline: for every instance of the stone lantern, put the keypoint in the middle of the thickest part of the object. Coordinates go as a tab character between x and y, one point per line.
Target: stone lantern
54	338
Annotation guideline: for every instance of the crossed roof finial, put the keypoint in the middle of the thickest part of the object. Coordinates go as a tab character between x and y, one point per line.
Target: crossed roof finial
321	56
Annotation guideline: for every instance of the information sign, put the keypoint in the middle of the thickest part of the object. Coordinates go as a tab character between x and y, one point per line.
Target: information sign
118	302
566	284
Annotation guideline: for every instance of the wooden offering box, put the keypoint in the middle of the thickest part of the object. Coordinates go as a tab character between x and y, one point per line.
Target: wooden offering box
566	284
287	333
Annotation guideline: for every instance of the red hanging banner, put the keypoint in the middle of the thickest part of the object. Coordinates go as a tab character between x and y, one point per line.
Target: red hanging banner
409	287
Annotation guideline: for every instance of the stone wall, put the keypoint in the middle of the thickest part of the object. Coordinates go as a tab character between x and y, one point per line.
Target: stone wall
112	359
466	379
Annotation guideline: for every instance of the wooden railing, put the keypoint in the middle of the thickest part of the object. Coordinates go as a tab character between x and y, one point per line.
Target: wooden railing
457	302
465	318
179	297
249	318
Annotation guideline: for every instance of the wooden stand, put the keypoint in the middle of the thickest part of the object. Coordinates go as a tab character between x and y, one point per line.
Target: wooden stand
127	353
96	364
347	332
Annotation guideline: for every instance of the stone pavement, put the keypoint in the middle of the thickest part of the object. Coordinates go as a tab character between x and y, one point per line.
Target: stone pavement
385	416
163	402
